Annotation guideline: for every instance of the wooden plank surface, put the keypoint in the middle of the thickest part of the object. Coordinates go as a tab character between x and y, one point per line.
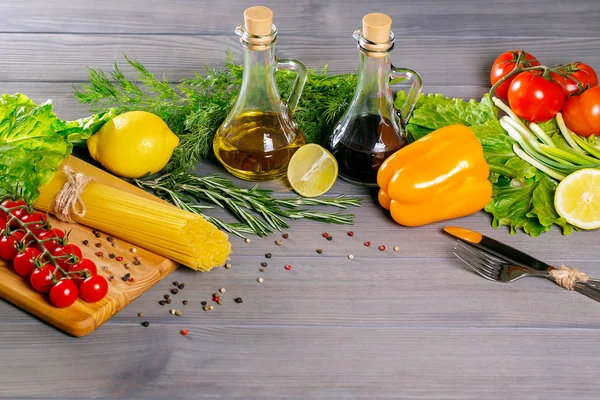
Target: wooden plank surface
408	324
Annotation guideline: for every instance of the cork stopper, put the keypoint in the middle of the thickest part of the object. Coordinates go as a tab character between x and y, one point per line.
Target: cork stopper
258	20
377	27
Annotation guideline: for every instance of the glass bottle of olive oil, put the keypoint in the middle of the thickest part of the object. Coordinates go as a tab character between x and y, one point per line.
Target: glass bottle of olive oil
259	136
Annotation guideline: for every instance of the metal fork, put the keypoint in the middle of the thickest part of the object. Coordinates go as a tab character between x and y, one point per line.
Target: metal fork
498	269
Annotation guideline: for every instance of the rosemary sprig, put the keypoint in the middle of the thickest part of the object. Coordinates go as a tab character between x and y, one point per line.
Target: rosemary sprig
257	210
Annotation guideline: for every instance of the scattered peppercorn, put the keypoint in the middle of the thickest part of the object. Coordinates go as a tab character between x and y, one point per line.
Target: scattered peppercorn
350	257
86	242
110	278
145	324
126	266
268	255
382	248
133	250
203	303
260	280
238	300
172	311
278	242
168	301
263	264
285	235
184	332
178	313
181	285
396	248
219	301
119	258
222	290
175	283
99	254
247	240
162	302
125	277
185	302
166	296
211	307
174	291
330	238
320	251
140	314
227	266
113	244
138	258
367	244
288	267
110	239
350	233
136	262
104	268
112	255
205	308
97	234
98	245
325	234
261	270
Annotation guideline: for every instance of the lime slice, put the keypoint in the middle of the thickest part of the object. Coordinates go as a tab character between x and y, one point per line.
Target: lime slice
312	170
577	198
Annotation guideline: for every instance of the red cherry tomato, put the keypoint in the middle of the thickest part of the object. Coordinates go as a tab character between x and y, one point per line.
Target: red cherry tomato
36	220
83	265
2	224
11	204
64	293
41	278
582	113
583	73
67	255
93	289
48	235
8	245
534	97
24	262
504	64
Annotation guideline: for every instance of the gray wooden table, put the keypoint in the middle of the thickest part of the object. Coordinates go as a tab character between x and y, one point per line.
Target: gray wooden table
407	324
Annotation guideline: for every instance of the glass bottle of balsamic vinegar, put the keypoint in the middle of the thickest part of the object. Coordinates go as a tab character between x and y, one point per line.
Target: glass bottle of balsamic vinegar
259	136
372	129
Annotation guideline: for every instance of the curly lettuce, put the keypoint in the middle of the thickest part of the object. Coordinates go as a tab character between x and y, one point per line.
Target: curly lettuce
34	141
523	197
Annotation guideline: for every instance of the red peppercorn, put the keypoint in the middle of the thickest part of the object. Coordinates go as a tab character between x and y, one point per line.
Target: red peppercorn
130	279
367	244
216	298
99	254
184	332
119	258
350	233
382	247
325	234
288	267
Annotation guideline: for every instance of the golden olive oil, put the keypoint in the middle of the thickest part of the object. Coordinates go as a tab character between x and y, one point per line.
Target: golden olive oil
257	145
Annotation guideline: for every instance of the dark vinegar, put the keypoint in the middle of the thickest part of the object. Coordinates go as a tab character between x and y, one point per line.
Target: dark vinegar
362	146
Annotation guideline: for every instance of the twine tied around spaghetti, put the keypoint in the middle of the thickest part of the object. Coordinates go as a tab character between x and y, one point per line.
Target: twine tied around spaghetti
568	277
68	200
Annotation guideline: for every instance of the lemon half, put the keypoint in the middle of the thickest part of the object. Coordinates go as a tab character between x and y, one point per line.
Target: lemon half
577	198
312	170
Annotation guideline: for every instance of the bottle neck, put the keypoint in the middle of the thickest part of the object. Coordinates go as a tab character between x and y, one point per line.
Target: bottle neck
374	73
259	90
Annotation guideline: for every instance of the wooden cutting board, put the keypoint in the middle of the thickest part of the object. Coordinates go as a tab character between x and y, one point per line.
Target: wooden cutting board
83	318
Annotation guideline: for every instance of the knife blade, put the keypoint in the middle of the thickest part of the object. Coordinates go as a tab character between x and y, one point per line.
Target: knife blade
506	252
498	248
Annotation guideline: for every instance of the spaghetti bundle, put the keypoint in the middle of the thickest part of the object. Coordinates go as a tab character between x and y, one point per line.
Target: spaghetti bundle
159	227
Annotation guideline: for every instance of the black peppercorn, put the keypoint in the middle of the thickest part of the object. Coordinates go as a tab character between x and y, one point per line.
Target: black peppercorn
166	296
268	255
162	302
174	291
238	300
203	303
145	323
181	285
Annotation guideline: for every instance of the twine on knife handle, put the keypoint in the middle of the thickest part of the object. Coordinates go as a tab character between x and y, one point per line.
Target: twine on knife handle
68	200
568	277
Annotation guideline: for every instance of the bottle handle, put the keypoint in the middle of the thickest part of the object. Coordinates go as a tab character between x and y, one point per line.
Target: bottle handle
403	74
294	65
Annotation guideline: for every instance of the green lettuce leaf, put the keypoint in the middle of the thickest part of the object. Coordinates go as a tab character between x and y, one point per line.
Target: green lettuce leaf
34	141
523	197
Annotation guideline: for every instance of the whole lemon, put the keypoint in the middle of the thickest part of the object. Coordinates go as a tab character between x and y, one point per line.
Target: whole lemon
133	144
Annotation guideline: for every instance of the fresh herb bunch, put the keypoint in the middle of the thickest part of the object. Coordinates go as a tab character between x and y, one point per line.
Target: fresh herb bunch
195	108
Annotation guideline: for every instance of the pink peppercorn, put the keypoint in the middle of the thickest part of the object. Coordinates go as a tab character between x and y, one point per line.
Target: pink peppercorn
288	267
367	244
382	247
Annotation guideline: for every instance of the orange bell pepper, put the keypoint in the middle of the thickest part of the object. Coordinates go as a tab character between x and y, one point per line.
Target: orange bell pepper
441	176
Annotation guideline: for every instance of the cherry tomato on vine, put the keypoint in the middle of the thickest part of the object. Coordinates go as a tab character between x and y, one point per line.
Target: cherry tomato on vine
24	262
64	293
41	278
534	97
83	265
37	220
67	255
11	204
8	245
93	289
504	64
53	233
582	113
3	223
583	73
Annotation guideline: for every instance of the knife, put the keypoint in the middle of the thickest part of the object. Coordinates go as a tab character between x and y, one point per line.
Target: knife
515	256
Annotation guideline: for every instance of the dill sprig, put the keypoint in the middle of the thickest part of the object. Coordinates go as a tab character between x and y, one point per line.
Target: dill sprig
257	210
